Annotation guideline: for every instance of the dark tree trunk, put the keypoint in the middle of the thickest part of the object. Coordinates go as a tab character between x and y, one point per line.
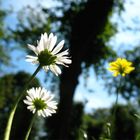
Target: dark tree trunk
87	24
60	124
68	84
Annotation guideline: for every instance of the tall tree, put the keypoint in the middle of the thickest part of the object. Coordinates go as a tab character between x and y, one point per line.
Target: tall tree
86	46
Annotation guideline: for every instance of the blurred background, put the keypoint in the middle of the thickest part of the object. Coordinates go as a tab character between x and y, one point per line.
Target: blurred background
96	32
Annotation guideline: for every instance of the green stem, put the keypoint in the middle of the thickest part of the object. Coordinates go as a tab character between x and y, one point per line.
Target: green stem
116	103
11	116
30	126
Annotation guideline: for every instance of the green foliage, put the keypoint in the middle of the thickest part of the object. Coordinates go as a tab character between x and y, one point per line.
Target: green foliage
95	124
106	135
4	56
93	127
125	123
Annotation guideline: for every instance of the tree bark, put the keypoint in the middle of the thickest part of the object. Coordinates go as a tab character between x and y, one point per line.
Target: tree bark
85	28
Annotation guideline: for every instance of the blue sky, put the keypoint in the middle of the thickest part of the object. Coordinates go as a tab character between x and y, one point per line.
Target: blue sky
130	19
121	41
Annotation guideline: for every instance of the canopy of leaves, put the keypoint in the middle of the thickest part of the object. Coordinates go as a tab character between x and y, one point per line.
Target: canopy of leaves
4	56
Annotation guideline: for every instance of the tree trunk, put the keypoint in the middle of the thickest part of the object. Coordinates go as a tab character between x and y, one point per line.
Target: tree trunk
87	25
68	84
60	124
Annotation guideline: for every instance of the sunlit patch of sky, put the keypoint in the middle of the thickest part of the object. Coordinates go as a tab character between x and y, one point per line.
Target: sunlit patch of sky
94	94
33	3
125	39
128	35
17	6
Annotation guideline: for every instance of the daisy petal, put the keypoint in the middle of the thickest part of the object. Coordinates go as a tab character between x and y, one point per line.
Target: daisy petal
55	69
58	47
52	43
33	48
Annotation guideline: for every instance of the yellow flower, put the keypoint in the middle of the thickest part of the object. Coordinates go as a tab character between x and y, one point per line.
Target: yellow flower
120	66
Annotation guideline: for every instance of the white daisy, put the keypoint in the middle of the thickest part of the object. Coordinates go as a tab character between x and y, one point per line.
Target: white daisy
49	56
39	100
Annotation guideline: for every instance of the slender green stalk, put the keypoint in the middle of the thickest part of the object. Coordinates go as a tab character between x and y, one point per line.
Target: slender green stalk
11	116
30	126
116	103
117	97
